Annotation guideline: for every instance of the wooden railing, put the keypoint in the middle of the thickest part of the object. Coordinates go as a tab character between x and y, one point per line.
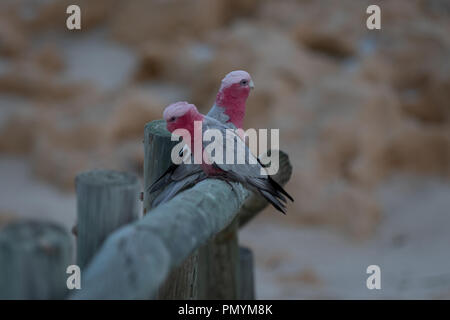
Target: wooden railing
186	248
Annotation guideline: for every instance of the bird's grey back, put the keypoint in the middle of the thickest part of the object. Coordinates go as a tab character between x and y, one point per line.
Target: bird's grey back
247	169
218	113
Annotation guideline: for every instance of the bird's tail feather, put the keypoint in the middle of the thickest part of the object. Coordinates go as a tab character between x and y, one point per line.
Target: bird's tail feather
274	201
272	192
280	189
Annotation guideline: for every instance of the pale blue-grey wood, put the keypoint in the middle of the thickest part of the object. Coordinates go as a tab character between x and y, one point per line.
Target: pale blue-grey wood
106	200
181	283
135	260
157	150
34	257
219	265
246	274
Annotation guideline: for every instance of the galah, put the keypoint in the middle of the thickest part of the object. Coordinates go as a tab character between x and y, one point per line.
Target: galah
251	174
229	109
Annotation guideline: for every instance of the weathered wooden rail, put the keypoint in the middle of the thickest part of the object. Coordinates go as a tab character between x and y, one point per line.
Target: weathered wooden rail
186	248
33	260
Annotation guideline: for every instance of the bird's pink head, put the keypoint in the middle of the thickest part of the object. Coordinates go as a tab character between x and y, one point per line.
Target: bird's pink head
233	94
181	115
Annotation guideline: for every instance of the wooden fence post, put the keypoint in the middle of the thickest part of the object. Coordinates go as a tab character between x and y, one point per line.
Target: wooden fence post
106	200
219	265
140	256
182	281
34	257
218	274
246	276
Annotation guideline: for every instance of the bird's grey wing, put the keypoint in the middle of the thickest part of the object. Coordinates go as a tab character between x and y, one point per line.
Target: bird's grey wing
185	170
250	166
176	187
251	173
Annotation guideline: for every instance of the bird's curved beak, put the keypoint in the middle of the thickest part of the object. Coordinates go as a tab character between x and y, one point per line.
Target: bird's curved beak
251	84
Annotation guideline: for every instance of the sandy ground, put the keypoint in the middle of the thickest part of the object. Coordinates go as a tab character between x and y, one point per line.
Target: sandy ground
410	246
294	262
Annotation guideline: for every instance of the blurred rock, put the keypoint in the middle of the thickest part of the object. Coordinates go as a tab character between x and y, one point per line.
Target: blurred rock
49	58
28	81
154	60
415	150
17	132
13	36
59	166
83	130
108	134
352	210
305	276
127	117
326	27
418	56
354	107
138	21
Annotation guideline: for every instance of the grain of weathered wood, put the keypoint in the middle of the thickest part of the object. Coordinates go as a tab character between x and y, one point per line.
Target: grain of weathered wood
34	257
219	265
246	276
157	150
182	282
135	260
106	200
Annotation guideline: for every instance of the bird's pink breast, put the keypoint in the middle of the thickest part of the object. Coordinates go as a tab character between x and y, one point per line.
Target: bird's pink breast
233	99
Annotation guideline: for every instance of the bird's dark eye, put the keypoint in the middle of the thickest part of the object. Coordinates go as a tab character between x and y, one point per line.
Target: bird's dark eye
172	119
244	82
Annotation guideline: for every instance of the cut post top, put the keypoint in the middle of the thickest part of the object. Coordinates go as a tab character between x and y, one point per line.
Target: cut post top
100	177
30	234
158	128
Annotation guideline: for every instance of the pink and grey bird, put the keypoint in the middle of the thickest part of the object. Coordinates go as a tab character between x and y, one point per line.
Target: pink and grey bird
229	109
181	115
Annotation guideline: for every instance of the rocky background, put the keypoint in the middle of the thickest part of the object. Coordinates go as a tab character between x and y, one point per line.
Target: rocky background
364	116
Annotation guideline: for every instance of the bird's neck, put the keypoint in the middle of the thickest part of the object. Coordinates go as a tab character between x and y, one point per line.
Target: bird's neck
233	105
